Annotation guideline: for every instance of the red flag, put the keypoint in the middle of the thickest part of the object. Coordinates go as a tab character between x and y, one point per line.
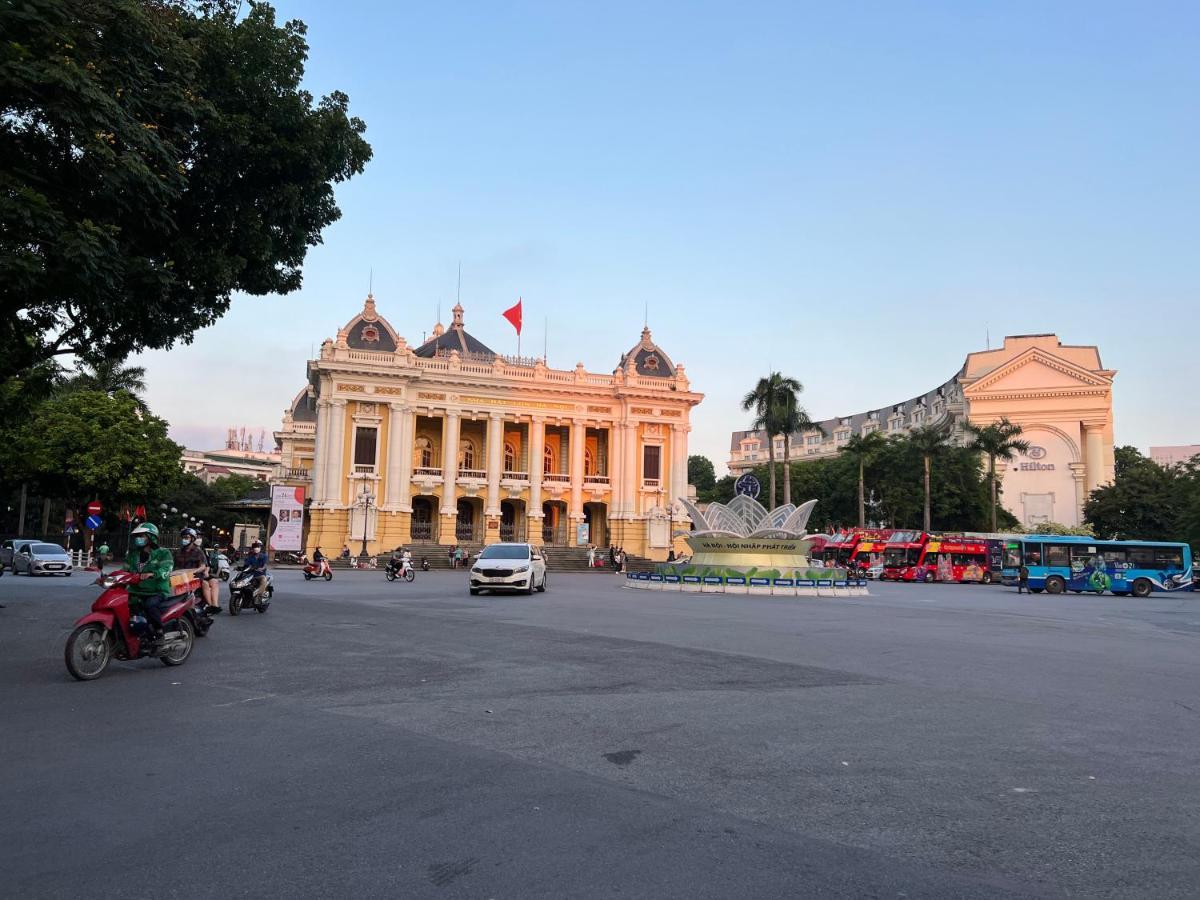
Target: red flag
513	314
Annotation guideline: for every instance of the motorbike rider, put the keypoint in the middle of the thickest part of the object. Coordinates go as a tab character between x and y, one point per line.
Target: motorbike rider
153	563
191	557
320	561
256	562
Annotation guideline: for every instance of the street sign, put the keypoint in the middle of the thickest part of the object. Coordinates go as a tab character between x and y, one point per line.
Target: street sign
93	522
747	485
94	508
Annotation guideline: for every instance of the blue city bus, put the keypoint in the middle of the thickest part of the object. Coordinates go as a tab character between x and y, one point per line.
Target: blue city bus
1071	563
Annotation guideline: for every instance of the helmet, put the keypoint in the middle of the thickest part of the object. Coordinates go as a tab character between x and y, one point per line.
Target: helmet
257	545
189	533
147	528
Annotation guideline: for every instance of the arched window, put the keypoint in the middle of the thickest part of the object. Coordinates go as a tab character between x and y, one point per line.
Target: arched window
423	453
466	455
588	467
547	461
510	457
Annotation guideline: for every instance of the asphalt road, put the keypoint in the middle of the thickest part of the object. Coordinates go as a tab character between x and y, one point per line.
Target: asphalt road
406	740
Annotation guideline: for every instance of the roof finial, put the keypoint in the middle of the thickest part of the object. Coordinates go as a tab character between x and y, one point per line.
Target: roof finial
458	316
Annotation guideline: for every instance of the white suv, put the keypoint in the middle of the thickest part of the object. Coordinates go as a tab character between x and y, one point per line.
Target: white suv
509	567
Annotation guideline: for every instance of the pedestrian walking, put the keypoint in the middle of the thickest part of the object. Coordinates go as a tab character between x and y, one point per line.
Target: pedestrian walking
450	557
1022	580
591	556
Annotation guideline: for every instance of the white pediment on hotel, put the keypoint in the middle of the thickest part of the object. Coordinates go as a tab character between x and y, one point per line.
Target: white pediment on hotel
1036	371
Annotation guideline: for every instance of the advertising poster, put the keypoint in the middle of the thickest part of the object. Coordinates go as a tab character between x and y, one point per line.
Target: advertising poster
287	518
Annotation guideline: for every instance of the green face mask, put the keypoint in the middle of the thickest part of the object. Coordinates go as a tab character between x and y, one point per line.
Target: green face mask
139	541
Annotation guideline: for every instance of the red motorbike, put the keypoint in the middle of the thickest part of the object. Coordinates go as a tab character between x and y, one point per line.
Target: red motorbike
317	569
108	631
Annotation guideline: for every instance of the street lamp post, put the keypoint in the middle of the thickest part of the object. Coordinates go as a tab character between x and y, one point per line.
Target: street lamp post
366	500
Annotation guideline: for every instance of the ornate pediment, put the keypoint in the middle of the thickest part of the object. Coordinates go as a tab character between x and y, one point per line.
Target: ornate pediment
1037	372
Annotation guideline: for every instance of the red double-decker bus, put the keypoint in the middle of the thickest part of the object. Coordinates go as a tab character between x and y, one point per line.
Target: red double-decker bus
901	553
952	560
854	548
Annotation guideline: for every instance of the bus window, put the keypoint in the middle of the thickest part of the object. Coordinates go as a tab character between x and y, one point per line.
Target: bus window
1033	555
1141	557
1012	555
1168	558
1114	556
1058	555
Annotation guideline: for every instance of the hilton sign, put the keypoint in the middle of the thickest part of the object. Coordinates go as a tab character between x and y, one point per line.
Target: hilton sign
1036	454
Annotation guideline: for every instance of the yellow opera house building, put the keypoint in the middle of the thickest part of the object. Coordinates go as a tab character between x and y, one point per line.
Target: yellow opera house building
451	443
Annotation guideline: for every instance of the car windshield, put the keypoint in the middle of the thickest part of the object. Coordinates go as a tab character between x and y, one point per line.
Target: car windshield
505	551
47	548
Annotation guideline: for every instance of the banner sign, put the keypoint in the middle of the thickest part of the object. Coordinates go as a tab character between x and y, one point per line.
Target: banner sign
287	518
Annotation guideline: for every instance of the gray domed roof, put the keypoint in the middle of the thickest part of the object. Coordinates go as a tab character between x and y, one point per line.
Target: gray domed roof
648	358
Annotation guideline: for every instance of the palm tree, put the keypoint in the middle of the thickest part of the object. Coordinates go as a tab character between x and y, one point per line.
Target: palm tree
758	401
110	376
777	410
929	441
999	440
862	448
793	419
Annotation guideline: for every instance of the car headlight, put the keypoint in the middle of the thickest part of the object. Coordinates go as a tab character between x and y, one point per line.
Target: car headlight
524	568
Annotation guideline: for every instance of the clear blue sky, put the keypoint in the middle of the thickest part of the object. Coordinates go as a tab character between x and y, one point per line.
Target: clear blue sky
852	193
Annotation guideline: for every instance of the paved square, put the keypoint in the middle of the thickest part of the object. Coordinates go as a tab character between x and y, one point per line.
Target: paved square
373	739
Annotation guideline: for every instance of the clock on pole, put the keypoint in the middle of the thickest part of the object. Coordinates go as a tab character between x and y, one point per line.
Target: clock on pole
747	485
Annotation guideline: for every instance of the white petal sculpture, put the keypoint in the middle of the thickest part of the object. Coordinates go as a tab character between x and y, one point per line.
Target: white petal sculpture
744	517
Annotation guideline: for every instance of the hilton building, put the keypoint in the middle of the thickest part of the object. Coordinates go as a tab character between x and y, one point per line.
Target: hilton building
451	443
1060	395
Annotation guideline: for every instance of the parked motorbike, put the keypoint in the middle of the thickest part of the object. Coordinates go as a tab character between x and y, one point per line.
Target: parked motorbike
396	569
317	569
241	593
110	630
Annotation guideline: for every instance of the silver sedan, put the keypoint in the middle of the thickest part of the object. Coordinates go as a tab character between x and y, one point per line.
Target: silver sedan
41	559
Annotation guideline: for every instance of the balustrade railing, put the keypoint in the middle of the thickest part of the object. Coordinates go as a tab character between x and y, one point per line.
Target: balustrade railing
361	469
480	474
556	476
595	479
515	476
428	470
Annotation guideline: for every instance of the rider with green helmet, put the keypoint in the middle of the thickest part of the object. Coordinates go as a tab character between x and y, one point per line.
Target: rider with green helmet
154	564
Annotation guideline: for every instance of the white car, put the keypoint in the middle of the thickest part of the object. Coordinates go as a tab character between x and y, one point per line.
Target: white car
37	558
509	567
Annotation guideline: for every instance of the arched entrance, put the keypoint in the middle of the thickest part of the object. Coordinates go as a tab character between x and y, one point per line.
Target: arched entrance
424	519
469	528
595	516
512	520
554	522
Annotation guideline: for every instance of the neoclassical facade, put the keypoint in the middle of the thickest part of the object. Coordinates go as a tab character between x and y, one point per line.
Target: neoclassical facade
1060	395
451	443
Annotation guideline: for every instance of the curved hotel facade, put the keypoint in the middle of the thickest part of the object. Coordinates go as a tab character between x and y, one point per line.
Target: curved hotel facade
451	443
1060	395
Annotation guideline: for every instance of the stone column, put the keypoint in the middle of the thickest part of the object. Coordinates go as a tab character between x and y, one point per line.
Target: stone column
449	509
399	459
537	446
408	419
1094	454
616	471
633	474
335	483
320	447
578	442
678	481
495	463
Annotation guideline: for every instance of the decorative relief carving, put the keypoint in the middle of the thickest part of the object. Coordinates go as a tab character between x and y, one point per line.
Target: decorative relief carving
352	388
430	395
671	413
599	409
653	429
642	410
394	391
367	409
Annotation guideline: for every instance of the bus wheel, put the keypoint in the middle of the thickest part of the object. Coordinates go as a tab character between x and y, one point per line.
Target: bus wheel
987	577
1035	590
1055	585
929	578
1142	588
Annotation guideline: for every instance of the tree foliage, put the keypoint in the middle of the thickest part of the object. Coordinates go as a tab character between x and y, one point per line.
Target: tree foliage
155	157
702	475
1147	501
775	404
88	445
996	440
